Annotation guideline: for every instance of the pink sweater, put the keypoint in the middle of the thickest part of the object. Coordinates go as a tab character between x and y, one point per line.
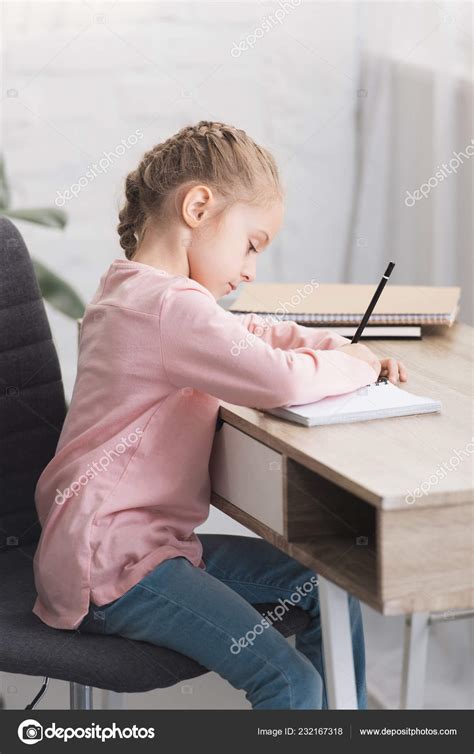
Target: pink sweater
129	482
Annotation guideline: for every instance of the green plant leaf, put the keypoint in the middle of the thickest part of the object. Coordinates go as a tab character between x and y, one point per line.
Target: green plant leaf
52	218
58	292
4	188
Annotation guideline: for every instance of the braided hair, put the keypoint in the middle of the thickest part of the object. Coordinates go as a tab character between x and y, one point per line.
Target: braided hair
220	155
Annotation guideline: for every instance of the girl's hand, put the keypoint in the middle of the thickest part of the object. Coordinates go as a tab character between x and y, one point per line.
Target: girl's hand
393	370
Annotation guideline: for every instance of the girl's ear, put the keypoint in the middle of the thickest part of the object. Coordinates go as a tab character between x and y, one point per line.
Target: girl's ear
197	204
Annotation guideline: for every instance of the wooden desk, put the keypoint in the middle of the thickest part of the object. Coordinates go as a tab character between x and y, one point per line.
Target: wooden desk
382	509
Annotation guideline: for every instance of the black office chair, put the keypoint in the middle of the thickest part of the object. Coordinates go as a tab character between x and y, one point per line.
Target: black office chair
32	411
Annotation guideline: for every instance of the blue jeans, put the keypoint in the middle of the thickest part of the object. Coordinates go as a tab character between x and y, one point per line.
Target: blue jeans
208	615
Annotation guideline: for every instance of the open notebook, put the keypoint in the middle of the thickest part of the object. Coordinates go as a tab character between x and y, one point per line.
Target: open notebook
378	400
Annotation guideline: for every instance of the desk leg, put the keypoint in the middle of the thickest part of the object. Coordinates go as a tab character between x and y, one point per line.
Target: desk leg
337	646
415	647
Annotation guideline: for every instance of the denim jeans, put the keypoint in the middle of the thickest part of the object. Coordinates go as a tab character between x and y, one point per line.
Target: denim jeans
208	615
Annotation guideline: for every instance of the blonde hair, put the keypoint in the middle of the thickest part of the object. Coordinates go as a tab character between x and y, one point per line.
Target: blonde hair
216	154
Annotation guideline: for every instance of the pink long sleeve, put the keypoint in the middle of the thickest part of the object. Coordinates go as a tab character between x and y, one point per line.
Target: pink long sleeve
288	334
209	349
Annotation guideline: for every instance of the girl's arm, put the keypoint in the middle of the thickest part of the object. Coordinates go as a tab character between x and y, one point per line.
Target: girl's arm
288	334
207	348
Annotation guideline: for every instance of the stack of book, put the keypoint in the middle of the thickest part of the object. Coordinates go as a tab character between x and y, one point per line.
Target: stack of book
399	313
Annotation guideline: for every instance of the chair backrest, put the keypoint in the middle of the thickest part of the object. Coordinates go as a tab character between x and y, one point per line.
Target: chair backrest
32	403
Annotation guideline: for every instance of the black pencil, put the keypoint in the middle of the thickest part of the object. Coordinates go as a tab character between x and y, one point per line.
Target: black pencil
375	298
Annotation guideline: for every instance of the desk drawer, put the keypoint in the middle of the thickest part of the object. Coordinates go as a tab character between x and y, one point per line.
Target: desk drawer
249	475
396	561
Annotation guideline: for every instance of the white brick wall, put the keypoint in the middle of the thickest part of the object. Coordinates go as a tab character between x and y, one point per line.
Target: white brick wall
84	85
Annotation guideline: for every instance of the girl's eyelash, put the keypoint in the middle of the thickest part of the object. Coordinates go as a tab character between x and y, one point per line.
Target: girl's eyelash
252	247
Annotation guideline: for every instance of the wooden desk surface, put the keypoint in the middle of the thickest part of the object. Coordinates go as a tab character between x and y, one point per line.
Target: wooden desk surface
343	481
383	460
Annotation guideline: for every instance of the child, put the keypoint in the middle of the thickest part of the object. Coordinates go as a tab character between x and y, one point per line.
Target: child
129	482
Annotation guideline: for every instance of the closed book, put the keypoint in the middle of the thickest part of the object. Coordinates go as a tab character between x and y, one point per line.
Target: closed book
346	304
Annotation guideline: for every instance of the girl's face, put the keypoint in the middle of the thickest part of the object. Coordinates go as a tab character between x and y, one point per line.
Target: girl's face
222	251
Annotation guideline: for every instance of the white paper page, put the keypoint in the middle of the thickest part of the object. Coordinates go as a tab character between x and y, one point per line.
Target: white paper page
374	397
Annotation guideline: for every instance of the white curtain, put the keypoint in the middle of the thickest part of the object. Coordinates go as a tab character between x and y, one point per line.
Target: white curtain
414	132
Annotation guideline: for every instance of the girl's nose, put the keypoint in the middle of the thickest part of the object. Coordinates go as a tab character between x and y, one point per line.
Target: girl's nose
248	276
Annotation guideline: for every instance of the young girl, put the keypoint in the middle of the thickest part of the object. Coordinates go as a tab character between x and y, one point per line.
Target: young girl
129	483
